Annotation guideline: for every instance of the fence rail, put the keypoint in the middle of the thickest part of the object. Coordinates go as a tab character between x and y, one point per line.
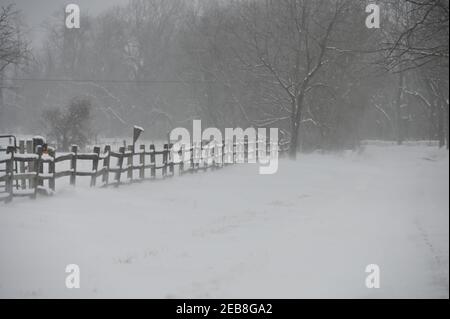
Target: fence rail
26	172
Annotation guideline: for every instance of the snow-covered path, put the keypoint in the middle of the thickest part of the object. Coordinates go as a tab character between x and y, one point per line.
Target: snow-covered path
307	231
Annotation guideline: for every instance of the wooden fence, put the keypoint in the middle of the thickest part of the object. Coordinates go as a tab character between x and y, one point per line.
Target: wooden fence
27	172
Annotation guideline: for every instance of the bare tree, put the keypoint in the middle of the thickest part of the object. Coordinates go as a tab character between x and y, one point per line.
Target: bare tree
288	42
12	47
306	67
423	36
71	125
417	43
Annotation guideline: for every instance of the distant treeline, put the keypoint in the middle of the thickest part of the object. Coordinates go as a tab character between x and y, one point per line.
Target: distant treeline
311	68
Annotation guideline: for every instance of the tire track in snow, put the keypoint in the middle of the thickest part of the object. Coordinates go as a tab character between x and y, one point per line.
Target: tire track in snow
437	264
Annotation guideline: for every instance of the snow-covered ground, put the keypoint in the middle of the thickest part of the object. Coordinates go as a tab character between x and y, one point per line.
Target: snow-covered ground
307	231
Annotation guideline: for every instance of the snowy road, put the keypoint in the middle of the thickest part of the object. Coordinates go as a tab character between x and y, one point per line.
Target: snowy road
307	231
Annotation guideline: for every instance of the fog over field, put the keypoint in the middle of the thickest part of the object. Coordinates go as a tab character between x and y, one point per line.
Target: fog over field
224	149
308	231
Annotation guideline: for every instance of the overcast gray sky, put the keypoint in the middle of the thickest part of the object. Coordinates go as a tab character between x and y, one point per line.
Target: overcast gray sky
36	11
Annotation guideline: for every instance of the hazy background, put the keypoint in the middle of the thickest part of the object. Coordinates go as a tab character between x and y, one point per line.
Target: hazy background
36	12
310	68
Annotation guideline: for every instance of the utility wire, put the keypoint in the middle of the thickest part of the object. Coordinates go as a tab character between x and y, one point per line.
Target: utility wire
111	81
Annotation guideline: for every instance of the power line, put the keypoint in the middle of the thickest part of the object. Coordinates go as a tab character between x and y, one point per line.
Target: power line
112	81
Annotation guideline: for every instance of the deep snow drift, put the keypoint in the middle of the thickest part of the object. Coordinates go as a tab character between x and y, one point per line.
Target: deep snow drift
307	231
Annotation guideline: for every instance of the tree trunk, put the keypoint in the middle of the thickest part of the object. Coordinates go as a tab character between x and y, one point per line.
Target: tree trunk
443	118
295	125
398	109
447	129
441	128
2	106
294	138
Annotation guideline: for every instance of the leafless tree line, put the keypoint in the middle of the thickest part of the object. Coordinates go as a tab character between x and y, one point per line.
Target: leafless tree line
311	68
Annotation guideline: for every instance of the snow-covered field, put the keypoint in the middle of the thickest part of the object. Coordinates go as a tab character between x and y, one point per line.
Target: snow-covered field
307	231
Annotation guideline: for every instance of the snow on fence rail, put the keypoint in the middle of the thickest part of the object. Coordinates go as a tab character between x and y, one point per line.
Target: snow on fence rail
27	172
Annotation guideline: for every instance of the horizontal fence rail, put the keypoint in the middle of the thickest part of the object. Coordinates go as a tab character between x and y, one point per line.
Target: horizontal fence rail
29	173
